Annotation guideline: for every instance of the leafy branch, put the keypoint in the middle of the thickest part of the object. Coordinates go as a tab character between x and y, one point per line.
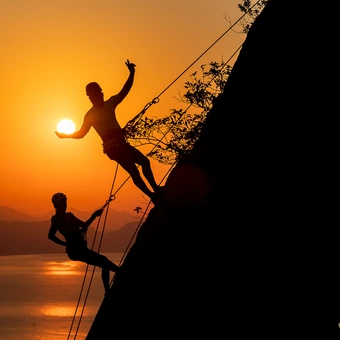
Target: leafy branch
174	136
252	11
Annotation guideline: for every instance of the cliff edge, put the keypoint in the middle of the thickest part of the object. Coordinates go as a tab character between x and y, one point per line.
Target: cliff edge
265	164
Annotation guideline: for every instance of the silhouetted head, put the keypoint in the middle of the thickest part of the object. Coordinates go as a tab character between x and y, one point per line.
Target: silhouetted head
93	88
95	93
59	199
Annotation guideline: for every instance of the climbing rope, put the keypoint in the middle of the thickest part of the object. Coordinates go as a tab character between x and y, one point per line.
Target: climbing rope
171	167
129	129
147	106
134	120
139	115
169	170
106	205
140	223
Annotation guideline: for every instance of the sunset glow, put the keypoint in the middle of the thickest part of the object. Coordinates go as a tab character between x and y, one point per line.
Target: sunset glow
67	310
63	268
66	126
50	55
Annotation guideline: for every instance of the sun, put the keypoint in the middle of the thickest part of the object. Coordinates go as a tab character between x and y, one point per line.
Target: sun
66	126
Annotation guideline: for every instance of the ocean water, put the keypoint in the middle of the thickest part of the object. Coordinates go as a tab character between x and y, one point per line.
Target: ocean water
41	297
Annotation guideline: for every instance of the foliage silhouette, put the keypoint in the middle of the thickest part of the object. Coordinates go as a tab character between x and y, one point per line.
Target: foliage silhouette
174	136
252	11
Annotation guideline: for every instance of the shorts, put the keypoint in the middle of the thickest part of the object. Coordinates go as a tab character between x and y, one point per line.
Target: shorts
124	152
116	146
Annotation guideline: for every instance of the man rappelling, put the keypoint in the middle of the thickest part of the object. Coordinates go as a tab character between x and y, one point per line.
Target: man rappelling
73	230
102	117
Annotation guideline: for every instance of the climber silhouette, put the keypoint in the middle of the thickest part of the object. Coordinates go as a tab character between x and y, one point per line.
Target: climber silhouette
73	230
102	118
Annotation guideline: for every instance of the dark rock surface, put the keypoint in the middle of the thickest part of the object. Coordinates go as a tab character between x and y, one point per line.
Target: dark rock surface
266	164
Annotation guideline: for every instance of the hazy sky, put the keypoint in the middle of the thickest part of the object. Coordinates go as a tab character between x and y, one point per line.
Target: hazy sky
51	49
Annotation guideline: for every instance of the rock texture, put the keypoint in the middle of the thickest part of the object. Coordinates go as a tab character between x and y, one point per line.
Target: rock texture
244	243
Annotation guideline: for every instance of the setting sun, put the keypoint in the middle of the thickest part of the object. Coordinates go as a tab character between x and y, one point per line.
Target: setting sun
66	126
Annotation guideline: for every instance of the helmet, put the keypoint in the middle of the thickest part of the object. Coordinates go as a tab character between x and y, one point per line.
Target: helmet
57	197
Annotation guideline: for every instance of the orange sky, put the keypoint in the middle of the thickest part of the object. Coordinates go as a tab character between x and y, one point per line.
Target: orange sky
52	49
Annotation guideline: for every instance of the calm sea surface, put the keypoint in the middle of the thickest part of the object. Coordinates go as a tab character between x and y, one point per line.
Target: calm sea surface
39	295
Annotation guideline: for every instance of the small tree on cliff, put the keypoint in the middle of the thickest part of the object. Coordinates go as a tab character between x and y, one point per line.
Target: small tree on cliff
174	136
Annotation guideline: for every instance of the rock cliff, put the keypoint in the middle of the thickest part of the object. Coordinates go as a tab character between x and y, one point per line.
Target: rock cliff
266	164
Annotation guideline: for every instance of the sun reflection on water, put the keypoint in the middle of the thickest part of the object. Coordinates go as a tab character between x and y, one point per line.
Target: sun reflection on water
59	311
63	268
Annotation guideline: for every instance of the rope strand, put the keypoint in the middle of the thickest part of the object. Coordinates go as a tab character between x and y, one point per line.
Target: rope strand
112	195
156	99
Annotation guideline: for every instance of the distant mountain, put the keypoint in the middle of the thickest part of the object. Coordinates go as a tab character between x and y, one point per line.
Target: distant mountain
115	219
30	237
10	214
115	241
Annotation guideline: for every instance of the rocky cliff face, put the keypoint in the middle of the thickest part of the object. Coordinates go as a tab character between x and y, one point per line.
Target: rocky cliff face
265	164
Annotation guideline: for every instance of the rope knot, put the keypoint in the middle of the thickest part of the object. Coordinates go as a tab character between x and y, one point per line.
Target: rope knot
155	100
